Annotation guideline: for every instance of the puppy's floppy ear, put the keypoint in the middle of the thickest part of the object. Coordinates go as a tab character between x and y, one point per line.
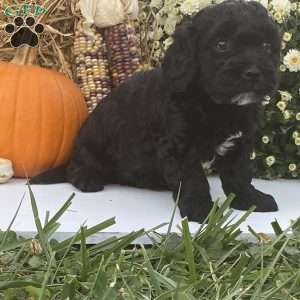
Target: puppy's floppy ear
179	65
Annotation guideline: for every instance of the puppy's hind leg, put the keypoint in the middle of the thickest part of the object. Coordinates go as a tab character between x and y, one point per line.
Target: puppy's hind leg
84	172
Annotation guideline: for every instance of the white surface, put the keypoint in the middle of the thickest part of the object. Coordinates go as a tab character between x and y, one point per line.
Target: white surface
133	208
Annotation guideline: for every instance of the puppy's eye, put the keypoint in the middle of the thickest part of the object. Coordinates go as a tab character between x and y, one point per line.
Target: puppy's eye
267	47
223	46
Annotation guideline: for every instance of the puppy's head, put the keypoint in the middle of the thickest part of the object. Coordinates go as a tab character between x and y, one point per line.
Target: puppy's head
231	50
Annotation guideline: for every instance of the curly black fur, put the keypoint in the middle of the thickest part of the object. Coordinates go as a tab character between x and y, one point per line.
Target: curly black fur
157	129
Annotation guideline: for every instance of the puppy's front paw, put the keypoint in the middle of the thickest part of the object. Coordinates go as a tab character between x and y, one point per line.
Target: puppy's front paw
86	179
195	208
263	202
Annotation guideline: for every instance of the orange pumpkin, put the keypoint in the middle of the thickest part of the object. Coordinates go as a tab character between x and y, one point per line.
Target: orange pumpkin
41	112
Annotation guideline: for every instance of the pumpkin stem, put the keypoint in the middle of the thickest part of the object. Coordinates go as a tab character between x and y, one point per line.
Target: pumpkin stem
25	56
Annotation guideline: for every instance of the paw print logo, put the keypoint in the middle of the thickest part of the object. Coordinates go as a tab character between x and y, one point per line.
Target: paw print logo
24	32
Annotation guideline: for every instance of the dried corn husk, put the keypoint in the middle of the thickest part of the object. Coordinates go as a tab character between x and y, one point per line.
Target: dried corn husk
105	13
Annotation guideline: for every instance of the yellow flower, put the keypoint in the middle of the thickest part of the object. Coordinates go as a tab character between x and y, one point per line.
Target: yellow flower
297	141
270	160
265	139
298	116
282	68
287	36
253	155
278	17
286	115
292	60
281	105
285	96
283	45
292	167
295	134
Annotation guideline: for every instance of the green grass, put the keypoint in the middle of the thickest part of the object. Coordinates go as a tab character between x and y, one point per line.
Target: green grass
213	264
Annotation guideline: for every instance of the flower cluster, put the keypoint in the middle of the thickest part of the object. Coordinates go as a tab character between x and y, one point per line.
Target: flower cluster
278	148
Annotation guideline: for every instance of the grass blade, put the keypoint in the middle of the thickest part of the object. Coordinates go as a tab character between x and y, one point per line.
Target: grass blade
11	223
84	255
59	213
46	278
45	245
187	238
89	232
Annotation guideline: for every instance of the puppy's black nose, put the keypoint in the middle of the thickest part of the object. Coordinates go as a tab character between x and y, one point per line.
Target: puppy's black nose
252	73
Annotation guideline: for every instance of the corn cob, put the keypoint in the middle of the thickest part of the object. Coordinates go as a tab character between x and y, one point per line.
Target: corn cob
92	67
123	50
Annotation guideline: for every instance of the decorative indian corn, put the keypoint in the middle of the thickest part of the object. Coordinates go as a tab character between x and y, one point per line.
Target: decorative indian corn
123	50
92	67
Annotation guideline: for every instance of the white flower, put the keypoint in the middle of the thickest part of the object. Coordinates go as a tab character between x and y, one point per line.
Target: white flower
282	6
294	6
189	7
263	2
286	115
160	19
279	17
157	34
170	25
168	42
285	96
292	60
270	160
265	139
296	134
287	36
281	105
297	141
292	167
282	68
156	4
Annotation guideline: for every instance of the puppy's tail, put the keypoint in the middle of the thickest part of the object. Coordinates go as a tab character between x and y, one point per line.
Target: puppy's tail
56	175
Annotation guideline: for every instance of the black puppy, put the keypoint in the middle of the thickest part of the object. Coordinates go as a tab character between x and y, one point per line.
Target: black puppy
204	105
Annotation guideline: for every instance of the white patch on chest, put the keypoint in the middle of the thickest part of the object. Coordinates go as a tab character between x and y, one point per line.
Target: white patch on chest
228	144
223	148
208	164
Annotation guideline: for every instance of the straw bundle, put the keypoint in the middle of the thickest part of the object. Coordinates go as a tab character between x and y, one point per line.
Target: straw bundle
56	43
